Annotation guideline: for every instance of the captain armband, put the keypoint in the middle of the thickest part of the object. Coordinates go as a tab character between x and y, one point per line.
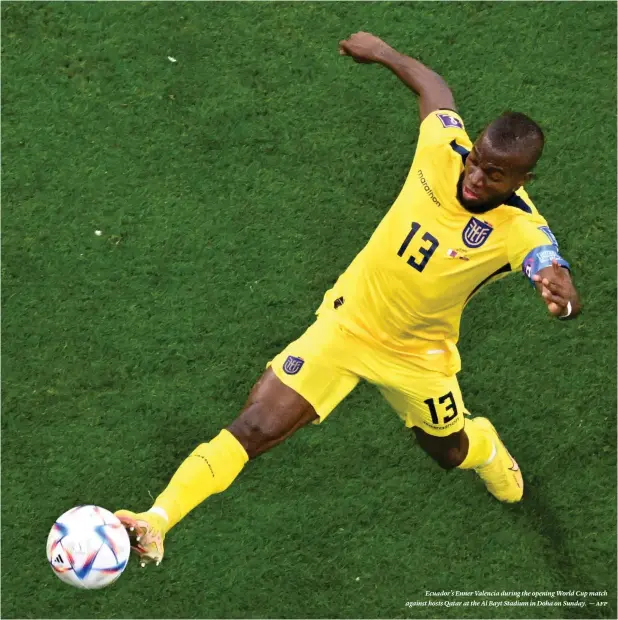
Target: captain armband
539	258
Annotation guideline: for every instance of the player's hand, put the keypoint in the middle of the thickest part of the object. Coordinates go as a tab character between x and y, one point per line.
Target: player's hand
363	47
556	288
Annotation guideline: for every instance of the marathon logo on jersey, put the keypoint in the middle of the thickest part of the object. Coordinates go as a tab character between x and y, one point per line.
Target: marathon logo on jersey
450	121
427	188
476	233
550	235
292	365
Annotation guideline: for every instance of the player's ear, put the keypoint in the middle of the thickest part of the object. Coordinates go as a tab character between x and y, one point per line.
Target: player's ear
529	176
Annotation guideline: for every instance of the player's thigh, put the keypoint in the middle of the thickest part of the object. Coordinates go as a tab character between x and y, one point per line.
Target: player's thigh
314	366
427	400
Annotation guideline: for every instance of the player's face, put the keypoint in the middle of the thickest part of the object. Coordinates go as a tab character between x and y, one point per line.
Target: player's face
490	176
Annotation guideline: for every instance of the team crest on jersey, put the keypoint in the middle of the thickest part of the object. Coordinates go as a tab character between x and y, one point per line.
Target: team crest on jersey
292	365
476	232
450	121
550	235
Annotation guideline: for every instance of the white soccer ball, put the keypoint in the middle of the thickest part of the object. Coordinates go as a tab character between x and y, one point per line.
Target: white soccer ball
88	547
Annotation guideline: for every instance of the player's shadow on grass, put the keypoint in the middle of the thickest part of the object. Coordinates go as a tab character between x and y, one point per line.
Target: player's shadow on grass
536	513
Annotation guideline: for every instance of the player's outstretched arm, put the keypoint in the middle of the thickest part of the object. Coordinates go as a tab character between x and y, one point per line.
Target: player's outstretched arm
432	90
558	292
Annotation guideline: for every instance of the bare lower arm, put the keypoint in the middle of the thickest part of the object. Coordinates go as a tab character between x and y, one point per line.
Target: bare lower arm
431	88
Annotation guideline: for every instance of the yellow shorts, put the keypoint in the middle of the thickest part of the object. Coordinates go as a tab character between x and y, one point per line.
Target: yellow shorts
326	363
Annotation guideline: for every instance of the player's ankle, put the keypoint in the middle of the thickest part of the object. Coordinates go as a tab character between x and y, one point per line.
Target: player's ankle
161	512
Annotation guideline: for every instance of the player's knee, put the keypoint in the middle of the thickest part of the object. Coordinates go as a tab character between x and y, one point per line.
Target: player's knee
256	429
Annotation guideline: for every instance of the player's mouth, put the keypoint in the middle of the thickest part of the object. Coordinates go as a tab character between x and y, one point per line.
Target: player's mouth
468	194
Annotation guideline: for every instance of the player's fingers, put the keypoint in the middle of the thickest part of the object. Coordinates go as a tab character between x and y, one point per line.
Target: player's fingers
555	299
553	287
556	288
549	295
556	309
559	273
559	289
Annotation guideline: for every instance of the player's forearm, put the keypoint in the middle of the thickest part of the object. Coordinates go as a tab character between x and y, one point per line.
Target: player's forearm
431	87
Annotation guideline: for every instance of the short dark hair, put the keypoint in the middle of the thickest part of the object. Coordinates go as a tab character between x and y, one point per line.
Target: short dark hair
516	131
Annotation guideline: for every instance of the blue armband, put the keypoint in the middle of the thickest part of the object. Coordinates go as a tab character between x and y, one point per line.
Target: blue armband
539	258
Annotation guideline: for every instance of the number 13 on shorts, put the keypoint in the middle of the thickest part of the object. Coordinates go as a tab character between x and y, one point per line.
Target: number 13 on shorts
432	402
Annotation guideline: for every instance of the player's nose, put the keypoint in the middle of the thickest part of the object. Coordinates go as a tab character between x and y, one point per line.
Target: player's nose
475	180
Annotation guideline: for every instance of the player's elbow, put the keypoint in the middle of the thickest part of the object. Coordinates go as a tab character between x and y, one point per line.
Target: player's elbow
436	95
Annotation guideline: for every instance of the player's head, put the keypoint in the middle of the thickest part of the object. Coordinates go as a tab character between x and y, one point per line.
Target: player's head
500	161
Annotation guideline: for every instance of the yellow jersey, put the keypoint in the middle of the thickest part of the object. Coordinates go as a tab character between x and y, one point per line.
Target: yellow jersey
407	288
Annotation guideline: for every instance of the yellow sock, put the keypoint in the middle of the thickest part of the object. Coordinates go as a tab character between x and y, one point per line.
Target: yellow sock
209	469
481	448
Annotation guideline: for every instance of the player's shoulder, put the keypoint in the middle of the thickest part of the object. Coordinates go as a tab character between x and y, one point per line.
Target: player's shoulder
444	127
524	220
521	209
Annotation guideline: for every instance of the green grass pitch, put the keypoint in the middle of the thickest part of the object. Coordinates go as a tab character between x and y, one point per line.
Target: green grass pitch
232	187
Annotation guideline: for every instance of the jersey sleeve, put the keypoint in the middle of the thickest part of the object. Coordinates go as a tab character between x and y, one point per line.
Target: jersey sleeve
532	246
442	127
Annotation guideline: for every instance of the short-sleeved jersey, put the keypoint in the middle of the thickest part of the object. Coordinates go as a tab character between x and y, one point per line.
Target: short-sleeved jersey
407	288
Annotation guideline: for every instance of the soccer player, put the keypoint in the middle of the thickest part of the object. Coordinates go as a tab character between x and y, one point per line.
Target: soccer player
461	221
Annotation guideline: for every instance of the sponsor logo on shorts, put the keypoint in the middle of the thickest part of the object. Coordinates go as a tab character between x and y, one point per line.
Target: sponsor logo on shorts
443	425
292	365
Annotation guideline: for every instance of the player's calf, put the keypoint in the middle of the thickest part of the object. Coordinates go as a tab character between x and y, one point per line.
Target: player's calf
272	413
448	452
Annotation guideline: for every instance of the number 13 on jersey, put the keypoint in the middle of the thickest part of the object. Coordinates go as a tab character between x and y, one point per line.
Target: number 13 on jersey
426	251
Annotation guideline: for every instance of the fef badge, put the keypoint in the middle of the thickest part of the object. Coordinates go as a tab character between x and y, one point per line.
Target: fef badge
476	232
292	365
